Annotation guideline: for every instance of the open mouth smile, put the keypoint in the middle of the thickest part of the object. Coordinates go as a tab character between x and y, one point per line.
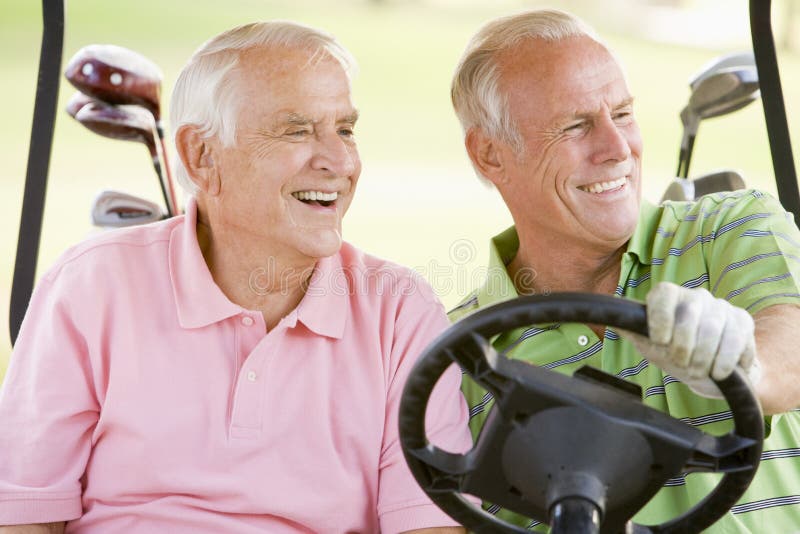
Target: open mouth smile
602	187
319	198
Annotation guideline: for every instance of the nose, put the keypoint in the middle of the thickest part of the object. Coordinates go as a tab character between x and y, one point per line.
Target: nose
335	154
611	142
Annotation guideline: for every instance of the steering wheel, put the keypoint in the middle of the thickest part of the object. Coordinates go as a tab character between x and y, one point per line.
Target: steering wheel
581	453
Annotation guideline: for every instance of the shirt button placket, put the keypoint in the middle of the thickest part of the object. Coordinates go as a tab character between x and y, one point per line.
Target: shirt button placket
247	411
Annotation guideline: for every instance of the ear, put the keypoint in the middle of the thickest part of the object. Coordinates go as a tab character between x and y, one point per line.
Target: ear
196	153
484	151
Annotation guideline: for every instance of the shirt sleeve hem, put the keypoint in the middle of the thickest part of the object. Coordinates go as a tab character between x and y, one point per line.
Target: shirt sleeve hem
26	509
415	517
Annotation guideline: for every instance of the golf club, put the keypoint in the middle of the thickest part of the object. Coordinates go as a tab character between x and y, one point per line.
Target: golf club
114	209
121	76
76	102
127	122
727	61
714	93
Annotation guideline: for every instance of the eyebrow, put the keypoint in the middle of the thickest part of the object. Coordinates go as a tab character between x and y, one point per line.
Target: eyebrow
627	102
588	114
297	119
350	118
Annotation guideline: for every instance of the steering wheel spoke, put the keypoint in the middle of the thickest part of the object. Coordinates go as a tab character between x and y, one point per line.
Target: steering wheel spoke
723	454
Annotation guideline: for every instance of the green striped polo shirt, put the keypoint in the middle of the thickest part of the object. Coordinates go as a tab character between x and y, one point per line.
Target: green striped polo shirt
741	246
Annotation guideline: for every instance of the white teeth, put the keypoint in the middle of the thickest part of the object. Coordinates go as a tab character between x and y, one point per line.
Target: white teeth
599	187
315	195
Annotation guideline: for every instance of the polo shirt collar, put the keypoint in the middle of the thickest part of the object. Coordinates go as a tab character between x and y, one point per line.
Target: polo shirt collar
325	306
641	242
504	246
498	285
200	302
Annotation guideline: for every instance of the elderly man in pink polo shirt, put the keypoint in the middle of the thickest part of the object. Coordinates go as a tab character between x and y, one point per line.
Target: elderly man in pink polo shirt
236	369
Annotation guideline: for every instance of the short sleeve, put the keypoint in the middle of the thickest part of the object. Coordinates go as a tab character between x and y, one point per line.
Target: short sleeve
47	413
755	260
402	504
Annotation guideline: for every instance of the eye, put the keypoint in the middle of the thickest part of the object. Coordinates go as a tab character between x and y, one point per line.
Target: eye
346	132
574	127
298	133
623	116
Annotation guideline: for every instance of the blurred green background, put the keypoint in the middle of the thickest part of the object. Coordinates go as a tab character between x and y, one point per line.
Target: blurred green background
419	202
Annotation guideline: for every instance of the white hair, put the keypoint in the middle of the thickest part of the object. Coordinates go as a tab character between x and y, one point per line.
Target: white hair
475	94
205	94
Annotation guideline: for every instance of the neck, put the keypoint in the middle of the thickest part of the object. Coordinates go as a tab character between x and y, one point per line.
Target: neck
559	270
255	277
542	269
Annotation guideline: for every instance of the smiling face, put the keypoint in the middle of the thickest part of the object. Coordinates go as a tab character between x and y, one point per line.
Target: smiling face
577	181
289	177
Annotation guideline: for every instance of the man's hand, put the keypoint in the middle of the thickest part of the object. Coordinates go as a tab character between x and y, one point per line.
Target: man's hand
696	337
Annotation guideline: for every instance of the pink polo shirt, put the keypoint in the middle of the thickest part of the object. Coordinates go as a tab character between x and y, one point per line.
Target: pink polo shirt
139	399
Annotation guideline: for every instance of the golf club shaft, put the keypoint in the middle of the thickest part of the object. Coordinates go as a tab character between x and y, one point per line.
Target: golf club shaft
168	172
683	171
681	156
160	173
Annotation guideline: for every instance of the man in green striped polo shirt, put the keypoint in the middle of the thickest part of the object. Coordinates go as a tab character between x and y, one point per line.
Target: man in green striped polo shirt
548	120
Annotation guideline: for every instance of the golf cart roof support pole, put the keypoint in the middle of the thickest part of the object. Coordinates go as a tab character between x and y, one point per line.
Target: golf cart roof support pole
774	109
44	113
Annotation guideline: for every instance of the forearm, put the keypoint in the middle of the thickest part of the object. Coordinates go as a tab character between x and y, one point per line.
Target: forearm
48	528
776	346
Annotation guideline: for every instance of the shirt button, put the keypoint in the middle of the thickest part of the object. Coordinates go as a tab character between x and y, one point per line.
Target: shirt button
247	321
583	341
251	376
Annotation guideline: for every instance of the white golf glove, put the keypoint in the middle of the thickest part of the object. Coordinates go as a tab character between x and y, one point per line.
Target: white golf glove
696	337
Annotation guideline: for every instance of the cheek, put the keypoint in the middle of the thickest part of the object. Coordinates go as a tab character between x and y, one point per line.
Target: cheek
634	138
356	171
356	174
277	158
558	163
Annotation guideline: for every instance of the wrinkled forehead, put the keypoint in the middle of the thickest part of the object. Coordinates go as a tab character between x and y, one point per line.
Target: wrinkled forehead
543	60
555	75
279	62
284	81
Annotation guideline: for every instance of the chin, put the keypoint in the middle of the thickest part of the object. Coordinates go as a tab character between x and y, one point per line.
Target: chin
321	244
623	232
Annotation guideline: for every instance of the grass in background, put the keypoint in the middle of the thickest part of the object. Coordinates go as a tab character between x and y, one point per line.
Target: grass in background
418	202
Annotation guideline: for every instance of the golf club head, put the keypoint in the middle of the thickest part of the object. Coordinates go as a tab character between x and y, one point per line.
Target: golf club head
116	75
724	91
728	61
114	209
129	123
692	189
724	85
76	102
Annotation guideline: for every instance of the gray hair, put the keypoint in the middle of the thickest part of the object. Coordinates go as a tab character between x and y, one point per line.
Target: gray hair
476	97
205	95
